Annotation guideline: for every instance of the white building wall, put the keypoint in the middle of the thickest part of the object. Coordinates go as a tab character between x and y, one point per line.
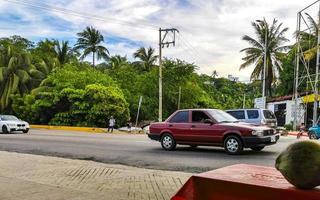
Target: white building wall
290	110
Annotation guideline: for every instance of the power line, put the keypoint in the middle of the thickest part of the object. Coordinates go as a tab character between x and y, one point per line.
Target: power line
51	8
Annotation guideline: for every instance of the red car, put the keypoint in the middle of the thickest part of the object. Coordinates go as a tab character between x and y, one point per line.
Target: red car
211	127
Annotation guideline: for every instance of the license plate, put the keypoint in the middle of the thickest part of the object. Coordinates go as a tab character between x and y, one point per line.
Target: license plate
273	138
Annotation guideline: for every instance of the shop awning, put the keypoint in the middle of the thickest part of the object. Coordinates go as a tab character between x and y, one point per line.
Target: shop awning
309	98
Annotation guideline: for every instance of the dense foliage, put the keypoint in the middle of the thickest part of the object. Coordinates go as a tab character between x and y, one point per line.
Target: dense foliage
48	83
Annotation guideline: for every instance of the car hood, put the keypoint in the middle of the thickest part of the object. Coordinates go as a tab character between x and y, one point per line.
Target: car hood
246	126
15	122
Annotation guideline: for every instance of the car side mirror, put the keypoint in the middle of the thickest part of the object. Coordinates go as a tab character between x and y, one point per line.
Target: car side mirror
208	121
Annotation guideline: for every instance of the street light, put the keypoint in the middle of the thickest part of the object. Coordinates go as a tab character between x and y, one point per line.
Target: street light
264	63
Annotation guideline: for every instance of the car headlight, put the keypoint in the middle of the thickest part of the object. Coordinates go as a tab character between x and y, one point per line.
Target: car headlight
257	132
11	125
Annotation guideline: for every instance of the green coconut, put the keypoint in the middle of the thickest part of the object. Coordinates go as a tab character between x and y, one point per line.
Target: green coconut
300	164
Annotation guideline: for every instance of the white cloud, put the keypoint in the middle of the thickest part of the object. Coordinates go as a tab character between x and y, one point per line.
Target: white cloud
213	27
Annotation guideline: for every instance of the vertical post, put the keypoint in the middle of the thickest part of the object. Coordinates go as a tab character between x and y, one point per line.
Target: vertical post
160	77
139	106
264	65
244	101
179	98
295	120
315	103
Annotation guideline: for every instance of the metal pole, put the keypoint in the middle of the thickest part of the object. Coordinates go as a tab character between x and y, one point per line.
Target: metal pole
160	77
244	101
139	106
179	98
315	103
264	65
295	121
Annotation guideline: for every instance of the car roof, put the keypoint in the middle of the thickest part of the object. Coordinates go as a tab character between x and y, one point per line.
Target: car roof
246	109
197	109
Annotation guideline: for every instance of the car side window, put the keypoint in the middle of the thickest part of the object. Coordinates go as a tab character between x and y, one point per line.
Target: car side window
238	114
180	117
253	114
199	117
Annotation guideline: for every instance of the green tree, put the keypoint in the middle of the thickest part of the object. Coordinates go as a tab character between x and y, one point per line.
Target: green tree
64	52
90	41
14	74
117	61
146	57
274	54
74	95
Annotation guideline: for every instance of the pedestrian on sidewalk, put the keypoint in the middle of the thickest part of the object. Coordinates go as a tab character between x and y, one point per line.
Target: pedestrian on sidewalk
112	122
302	129
129	126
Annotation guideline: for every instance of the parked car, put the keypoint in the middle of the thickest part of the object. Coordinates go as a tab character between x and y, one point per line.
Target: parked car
9	123
255	116
210	127
314	132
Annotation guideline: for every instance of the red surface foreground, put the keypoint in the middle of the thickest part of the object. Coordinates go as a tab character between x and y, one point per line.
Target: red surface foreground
243	182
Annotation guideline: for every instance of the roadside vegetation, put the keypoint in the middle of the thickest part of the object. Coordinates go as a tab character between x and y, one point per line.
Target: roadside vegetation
51	82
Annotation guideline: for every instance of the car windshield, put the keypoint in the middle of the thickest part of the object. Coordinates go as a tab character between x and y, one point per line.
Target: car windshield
268	114
221	116
8	117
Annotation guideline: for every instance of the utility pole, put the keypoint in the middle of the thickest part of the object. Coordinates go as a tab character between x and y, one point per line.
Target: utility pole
264	61
316	92
244	101
179	98
162	44
265	67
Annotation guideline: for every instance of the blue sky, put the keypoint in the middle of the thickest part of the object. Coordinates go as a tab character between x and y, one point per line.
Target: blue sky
212	27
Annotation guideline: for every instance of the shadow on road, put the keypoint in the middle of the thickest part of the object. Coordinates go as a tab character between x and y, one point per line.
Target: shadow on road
213	150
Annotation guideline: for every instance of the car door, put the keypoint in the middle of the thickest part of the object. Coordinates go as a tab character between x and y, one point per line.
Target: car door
179	125
201	130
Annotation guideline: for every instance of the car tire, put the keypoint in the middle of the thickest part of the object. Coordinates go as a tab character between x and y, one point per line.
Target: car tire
257	148
5	129
233	145
25	131
167	142
312	135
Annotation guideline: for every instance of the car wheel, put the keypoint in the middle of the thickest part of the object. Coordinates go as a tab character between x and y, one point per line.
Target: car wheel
25	131
167	142
233	145
5	129
257	148
312	135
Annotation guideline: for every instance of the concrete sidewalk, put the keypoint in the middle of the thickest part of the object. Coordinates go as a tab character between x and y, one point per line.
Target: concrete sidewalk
33	177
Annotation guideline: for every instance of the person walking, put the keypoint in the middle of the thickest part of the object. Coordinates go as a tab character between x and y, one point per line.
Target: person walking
302	129
112	122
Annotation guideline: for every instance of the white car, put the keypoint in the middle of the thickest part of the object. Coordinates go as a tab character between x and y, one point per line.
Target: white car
9	123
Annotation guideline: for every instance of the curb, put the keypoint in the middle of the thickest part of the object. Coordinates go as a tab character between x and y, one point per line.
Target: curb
296	133
70	128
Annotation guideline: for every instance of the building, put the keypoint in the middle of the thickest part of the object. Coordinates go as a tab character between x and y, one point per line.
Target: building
284	109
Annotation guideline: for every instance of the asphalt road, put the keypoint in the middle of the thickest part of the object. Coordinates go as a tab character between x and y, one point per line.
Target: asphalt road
133	150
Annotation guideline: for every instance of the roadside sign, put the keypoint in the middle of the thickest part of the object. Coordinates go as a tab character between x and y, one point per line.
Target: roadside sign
260	102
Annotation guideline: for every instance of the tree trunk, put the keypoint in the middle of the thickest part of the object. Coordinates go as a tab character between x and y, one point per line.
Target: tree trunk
93	54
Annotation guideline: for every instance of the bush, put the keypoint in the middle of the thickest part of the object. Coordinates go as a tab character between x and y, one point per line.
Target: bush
70	98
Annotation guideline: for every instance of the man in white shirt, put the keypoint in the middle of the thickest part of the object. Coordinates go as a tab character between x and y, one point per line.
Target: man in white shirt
112	122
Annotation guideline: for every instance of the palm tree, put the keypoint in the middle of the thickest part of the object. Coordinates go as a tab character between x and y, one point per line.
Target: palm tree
64	51
117	61
89	41
308	39
146	57
274	54
14	74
